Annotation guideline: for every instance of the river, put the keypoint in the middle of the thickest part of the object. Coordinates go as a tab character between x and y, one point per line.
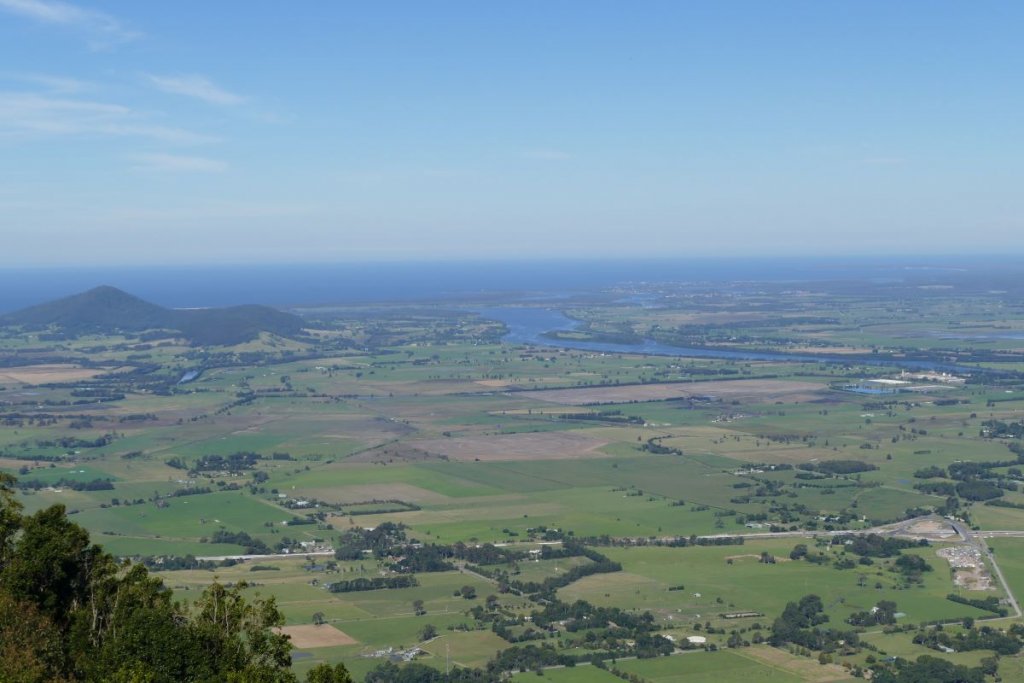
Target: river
527	325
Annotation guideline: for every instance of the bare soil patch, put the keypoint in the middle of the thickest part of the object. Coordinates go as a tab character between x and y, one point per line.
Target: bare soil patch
539	446
808	669
493	383
752	556
757	390
395	452
307	636
48	374
933	529
968	567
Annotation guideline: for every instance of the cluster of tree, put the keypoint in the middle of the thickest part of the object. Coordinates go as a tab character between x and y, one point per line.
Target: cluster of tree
930	472
71	612
883	613
979	481
581	615
937	488
984	638
74	443
389	672
989	604
73	484
379	541
799	551
965	471
488	553
874	545
236	462
978	490
137	417
529	658
838	466
425	558
928	669
997	429
801	624
911	565
253	546
191	491
654	446
376	583
301	521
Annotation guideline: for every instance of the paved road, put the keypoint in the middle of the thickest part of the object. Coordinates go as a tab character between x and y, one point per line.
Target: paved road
279	556
999	534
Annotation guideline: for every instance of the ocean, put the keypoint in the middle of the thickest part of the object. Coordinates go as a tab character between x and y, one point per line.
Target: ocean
319	284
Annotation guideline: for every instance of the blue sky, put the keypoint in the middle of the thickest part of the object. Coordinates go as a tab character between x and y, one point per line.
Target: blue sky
206	132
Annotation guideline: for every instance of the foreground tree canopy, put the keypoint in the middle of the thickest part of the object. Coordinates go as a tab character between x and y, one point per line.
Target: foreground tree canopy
71	612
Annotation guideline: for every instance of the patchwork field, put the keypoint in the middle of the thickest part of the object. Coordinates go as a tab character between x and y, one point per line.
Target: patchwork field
545	446
428	491
757	391
711	667
49	374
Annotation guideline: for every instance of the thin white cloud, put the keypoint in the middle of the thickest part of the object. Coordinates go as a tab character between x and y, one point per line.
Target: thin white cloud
52	84
546	154
103	28
26	115
196	86
179	164
203	213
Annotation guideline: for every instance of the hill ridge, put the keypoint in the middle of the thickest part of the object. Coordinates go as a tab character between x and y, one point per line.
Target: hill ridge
107	309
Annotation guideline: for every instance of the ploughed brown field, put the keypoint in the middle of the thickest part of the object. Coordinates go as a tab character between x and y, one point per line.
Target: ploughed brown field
808	669
757	390
47	374
307	636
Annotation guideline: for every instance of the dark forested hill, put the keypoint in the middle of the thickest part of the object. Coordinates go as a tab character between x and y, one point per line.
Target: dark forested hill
106	310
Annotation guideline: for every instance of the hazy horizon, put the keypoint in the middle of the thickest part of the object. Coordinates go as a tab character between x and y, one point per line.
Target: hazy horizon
909	259
307	284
